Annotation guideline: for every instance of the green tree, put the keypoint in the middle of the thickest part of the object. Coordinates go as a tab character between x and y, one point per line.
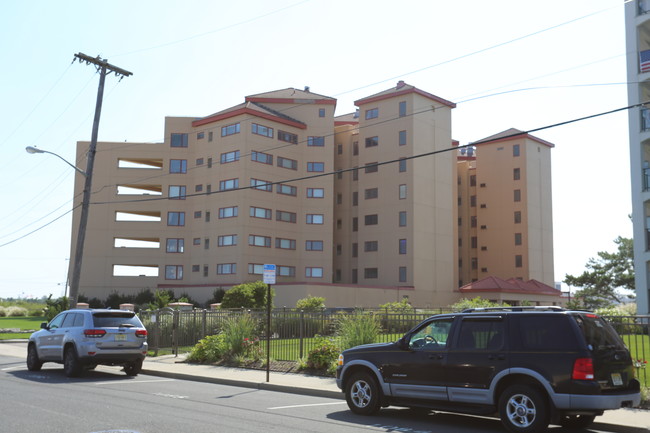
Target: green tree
477	302
311	303
608	278
246	295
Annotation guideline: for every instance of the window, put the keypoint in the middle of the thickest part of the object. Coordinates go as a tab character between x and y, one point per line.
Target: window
517	238
256	269
287	217
318	167
355	224
402	192
370	246
339	149
209	162
473	222
372	141
285	244
225	185
313	245
402	246
355	174
285	271
402	165
517	195
179	140
516	174
288	137
371	220
474	263
519	261
227	240
230	130
372	167
339	198
355	249
402	108
402	219
517	217
264	158
226	268
515	150
316	141
228	212
291	164
177	192
321	112
355	198
355	148
355	276
175	218
402	138
260	212
474	242
230	157
287	189
198	188
178	166
371	273
198	214
207	216
262	185
175	245
196	241
259	241
200	135
339	249
315	192
402	274
472	201
314	218
337	275
206	243
174	272
210	135
373	113
196	268
262	130
314	272
371	193
472	180
199	161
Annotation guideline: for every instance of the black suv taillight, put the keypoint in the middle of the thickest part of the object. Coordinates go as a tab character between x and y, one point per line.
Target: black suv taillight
94	333
583	369
141	333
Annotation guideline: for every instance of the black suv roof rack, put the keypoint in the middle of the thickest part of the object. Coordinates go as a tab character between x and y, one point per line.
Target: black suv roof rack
516	308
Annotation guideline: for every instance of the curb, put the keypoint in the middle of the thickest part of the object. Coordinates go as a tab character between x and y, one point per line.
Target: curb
266	386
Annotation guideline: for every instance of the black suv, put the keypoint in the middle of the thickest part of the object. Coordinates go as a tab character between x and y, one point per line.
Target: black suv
531	365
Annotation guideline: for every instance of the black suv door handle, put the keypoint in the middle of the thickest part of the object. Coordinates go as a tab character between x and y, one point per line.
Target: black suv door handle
437	356
500	357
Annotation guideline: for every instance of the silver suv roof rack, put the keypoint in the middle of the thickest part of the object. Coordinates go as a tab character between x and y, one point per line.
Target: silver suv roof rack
515	308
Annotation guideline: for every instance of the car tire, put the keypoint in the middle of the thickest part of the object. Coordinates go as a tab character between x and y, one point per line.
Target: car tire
523	409
71	364
577	421
133	368
362	394
33	361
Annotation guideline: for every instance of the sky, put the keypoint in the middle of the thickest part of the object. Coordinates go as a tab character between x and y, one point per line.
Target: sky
505	63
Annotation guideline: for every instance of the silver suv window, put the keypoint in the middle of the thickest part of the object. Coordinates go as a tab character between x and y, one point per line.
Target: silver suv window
116	319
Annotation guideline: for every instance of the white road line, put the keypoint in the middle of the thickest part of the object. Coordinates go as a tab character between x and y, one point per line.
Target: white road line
121	382
305	405
13	368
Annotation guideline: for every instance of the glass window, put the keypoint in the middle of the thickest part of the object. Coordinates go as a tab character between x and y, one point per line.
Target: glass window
355	224
285	271
288	137
289	217
371	273
519	261
260	212
315	219
259	241
227	240
371	193
262	185
517	238
177	192
517	217
228	212
176	218
402	246
516	174
314	245
372	141
230	157
371	220
402	219
255	268
200	135
355	148
225	185
315	192
370	246
230	129
226	268
316	167
402	108
517	195
402	138
373	113
316	141
480	334
402	274
372	167
432	335
515	150
287	189
179	140
178	166
402	192
311	272
402	165
355	198
290	164
262	130
321	112
173	272
175	245
285	244
264	158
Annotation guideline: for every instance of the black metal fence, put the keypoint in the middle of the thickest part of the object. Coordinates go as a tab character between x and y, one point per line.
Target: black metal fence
293	331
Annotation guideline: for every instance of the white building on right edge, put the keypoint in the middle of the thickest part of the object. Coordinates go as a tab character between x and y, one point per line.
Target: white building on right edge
637	35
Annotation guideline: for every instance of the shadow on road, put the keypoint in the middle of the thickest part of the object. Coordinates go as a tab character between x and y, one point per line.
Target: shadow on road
56	375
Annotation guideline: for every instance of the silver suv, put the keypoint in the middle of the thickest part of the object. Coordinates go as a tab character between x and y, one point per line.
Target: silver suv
84	338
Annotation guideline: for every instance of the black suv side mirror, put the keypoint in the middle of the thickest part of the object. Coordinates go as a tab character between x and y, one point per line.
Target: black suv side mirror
44	325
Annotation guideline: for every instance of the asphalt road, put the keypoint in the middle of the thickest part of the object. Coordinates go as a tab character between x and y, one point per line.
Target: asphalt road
106	400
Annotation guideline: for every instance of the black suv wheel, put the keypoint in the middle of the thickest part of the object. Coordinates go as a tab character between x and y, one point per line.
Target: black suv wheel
71	364
133	368
33	363
362	394
523	409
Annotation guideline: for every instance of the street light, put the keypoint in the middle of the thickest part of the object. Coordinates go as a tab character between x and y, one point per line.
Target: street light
83	220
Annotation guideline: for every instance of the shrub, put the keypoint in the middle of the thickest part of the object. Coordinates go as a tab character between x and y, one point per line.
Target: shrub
209	349
311	303
16	312
403	306
237	332
323	355
247	295
3	311
55	306
357	328
477	302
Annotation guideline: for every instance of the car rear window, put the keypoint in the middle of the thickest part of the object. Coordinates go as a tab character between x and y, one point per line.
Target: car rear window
115	319
545	332
598	333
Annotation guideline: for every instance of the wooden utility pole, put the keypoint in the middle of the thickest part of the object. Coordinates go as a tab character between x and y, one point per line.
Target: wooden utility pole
104	68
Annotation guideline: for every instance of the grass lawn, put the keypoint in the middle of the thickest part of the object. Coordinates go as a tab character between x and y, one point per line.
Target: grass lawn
22	323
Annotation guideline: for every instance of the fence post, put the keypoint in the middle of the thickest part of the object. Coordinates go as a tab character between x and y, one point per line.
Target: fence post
301	332
156	332
175	319
204	319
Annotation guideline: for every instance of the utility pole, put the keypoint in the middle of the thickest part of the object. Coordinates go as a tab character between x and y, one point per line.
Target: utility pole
104	68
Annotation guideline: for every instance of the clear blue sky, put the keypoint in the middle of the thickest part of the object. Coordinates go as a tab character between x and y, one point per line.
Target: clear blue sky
506	63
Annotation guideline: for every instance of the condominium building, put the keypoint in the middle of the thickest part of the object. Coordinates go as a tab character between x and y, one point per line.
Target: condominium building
637	24
360	209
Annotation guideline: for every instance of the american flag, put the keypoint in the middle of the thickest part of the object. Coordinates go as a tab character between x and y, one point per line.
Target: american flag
644	58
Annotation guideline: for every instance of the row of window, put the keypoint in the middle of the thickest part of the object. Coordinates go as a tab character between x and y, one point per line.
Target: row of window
519	263
177	245
175	272
373	113
474	241
177	218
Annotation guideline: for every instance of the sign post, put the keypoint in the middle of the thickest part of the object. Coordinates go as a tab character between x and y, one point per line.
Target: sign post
269	279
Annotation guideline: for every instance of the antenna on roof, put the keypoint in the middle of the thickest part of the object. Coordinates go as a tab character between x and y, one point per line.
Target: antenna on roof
306	88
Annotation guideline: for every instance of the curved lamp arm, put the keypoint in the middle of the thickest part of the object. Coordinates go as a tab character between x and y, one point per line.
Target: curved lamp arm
31	149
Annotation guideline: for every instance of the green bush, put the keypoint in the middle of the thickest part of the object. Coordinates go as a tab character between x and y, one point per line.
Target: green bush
323	355
247	295
311	303
477	302
403	306
358	328
210	349
55	306
239	333
3	311
16	312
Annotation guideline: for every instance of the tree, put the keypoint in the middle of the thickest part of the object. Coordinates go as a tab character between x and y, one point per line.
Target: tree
246	295
311	303
606	276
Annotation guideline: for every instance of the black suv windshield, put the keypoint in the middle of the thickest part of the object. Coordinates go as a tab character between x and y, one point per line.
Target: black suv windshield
598	334
116	319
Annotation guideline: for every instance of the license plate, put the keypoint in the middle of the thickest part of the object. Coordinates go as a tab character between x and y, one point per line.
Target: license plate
616	379
122	337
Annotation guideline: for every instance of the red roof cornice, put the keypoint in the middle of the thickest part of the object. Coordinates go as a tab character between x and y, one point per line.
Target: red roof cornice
514	137
372	99
290	100
246	110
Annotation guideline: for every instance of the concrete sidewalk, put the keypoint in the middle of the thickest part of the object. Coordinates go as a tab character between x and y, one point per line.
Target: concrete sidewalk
170	366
